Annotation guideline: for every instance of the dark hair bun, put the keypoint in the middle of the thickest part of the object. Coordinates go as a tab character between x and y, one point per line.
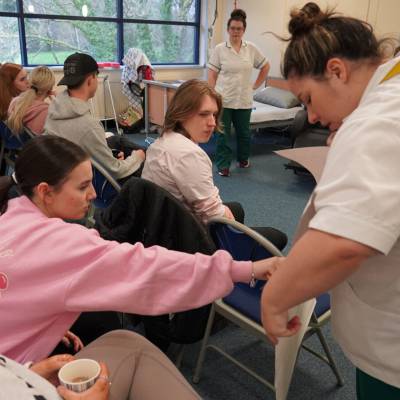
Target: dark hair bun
304	19
238	13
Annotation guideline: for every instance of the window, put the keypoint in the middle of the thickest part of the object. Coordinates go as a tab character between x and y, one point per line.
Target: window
46	31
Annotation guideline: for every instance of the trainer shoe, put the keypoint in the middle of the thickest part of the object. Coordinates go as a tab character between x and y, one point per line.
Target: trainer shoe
244	164
224	172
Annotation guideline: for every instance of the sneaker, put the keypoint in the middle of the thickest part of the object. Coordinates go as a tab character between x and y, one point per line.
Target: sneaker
224	172
244	164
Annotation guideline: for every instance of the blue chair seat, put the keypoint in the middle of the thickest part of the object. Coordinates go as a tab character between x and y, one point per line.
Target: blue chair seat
323	304
246	300
105	185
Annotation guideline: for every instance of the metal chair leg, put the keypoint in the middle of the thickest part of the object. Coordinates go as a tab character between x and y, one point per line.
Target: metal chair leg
179	356
202	353
332	363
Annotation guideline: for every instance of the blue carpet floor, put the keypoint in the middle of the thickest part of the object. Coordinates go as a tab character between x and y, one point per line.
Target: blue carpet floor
271	196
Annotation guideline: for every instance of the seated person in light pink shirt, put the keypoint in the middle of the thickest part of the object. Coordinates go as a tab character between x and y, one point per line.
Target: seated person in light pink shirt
30	108
177	163
51	271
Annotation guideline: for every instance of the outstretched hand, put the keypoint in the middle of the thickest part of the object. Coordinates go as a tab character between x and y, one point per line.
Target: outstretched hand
264	269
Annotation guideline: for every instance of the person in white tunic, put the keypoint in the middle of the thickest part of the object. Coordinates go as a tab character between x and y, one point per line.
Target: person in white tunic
335	66
229	71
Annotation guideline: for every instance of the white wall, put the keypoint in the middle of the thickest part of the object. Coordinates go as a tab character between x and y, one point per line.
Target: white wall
262	16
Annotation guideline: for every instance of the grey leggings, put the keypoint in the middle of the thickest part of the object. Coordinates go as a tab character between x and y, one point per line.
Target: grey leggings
138	369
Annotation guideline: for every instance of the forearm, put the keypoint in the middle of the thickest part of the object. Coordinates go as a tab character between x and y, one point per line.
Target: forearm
318	262
262	75
212	78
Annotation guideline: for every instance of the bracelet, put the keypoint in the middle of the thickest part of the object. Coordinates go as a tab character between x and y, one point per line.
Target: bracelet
253	280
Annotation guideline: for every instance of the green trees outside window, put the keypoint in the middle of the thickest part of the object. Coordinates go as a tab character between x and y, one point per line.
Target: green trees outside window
166	30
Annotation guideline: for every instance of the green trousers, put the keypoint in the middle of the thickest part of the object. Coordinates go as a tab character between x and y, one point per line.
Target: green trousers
369	388
241	121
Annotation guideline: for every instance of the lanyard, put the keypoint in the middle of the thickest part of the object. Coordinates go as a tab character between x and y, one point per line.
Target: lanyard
393	72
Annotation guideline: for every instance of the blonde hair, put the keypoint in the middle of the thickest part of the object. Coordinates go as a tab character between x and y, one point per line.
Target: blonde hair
186	102
42	81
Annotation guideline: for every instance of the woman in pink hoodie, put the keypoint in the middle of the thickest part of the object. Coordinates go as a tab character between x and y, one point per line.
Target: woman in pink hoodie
51	271
30	107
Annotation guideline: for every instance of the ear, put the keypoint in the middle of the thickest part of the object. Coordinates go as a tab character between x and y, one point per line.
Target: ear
336	68
44	192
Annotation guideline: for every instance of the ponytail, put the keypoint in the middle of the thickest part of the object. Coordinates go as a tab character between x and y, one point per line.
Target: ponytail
21	105
42	81
6	183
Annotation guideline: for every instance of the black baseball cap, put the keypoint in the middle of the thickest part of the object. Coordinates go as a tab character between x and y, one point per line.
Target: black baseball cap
76	67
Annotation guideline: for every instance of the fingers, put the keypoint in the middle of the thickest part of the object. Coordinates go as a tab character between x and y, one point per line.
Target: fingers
292	328
141	154
50	365
273	339
120	155
78	345
228	213
58	361
102	385
294	325
66	394
70	339
263	269
104	369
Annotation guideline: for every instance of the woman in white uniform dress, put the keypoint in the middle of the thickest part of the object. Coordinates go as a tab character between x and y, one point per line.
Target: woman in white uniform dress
335	66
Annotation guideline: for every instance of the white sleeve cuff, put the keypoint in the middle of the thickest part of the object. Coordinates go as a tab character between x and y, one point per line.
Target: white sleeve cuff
348	224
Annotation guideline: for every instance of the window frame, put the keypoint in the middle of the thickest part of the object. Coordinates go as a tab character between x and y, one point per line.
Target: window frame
119	20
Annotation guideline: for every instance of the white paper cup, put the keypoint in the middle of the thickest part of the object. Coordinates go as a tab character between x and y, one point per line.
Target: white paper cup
79	375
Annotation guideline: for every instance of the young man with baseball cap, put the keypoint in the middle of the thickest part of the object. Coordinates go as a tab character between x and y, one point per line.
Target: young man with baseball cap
69	117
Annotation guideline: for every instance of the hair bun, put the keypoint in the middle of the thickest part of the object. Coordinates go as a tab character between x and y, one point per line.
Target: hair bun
304	19
238	13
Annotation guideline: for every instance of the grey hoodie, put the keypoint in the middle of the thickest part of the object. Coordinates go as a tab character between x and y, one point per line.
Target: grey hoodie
70	118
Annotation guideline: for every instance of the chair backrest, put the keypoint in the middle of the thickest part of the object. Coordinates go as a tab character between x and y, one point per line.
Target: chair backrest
28	132
105	185
11	141
145	212
10	145
244	244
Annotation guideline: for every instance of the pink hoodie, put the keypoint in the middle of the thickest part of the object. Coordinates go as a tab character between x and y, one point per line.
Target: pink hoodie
51	271
35	116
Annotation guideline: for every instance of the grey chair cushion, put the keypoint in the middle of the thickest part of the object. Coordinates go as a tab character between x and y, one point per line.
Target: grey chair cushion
276	97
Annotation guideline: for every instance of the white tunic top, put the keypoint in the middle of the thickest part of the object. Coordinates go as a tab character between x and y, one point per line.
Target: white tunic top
234	72
183	168
358	198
